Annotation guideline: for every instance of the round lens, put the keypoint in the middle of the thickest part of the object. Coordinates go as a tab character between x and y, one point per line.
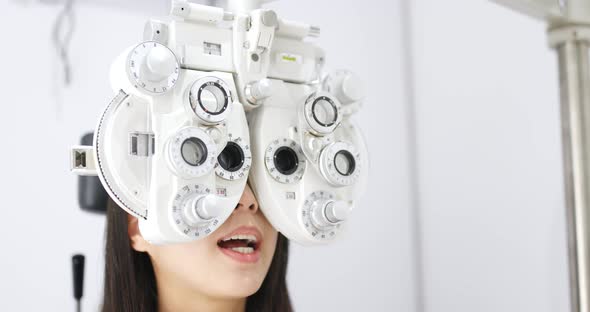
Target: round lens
193	151
212	99
344	163
231	158
286	160
324	111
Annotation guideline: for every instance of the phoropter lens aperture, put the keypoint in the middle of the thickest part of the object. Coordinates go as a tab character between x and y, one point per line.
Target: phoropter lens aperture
344	163
286	160
324	111
212	98
193	151
231	158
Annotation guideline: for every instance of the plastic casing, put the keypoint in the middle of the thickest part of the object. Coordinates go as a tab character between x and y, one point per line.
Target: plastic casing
148	184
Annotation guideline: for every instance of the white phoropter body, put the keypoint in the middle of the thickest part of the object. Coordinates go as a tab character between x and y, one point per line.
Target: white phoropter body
315	179
158	146
173	148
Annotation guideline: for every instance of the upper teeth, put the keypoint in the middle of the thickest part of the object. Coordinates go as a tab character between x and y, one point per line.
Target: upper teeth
249	238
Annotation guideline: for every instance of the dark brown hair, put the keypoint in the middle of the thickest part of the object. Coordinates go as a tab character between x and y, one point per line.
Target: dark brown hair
130	283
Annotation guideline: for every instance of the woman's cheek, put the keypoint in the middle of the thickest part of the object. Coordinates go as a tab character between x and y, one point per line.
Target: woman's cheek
271	246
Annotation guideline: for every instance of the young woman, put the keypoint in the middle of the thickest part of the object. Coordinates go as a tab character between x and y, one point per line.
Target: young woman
212	274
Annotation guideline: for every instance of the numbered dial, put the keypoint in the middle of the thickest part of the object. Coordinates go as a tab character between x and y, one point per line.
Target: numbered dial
340	164
322	215
210	99
235	160
322	113
194	211
152	67
285	160
345	85
192	153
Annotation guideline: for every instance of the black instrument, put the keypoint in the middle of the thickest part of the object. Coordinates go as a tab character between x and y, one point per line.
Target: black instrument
78	273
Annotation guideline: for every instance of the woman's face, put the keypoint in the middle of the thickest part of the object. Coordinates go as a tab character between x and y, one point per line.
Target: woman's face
217	265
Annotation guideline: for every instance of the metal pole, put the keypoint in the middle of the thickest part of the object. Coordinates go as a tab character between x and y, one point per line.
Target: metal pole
574	76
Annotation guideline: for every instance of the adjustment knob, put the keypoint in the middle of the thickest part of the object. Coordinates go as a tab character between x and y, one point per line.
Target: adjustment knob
345	85
152	67
337	211
200	209
269	18
257	91
327	213
159	64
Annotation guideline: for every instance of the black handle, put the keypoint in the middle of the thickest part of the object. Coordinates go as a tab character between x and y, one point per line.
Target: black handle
78	270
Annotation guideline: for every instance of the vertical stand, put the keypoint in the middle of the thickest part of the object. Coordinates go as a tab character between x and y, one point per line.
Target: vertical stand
572	44
569	35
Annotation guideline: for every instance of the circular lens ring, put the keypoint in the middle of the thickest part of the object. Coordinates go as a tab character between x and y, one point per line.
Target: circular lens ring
332	105
199	149
283	147
197	102
232	157
184	165
217	87
350	162
313	116
331	165
285	160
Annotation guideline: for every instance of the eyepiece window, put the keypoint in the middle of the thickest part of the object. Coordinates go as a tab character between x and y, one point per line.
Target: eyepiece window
324	111
232	157
212	99
193	151
344	163
286	160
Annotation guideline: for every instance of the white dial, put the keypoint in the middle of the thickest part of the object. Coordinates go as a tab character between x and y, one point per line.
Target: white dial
345	85
199	209
235	160
340	164
210	99
195	211
152	67
322	113
285	160
191	152
322	214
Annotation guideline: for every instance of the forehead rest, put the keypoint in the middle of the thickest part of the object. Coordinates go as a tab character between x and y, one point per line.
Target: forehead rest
92	197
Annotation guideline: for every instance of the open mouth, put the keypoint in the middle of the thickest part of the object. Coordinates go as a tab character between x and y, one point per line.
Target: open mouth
244	244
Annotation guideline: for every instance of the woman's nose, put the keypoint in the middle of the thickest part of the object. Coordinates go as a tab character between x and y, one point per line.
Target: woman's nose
248	202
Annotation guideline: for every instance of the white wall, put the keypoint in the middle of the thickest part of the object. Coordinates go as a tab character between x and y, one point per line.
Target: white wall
42	226
488	139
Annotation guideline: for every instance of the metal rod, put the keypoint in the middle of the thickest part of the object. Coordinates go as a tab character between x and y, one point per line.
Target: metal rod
574	76
406	22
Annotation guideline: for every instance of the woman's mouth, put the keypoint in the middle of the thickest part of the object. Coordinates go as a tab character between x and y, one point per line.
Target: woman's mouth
240	246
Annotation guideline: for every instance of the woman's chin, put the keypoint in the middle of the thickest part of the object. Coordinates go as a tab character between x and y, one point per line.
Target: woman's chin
242	285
